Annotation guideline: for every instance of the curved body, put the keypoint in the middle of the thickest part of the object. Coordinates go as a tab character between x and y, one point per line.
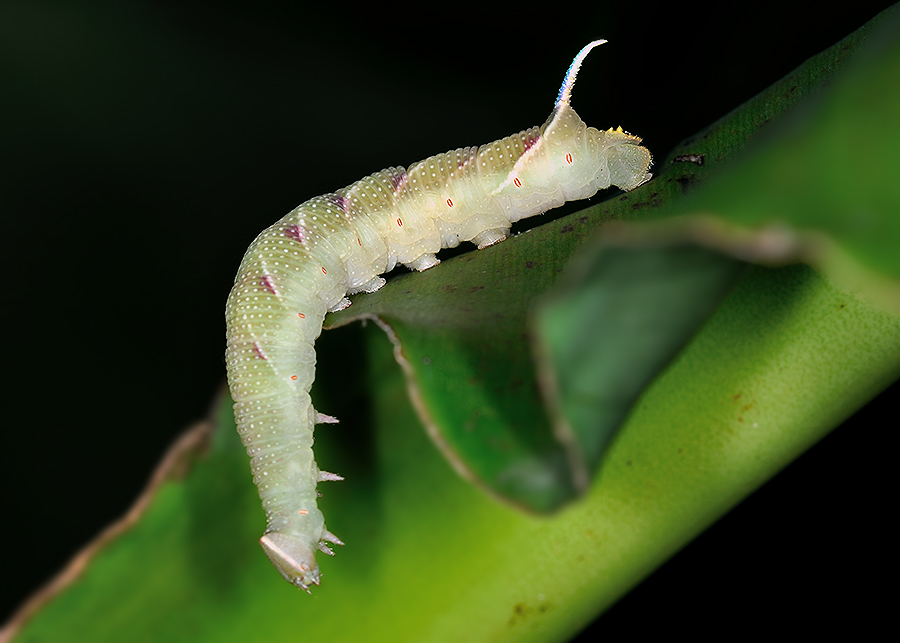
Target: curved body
337	244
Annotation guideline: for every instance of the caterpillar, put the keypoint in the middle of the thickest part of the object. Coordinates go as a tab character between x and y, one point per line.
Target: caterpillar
339	243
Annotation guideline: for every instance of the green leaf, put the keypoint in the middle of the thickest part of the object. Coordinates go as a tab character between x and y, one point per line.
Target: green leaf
612	324
820	186
430	558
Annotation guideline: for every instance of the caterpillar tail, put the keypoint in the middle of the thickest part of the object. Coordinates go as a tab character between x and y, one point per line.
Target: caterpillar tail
294	558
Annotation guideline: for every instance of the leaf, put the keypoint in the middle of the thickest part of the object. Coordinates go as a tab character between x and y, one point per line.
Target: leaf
820	186
618	317
429	557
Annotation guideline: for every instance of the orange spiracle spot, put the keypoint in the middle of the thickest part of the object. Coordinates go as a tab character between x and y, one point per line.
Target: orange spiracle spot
324	272
293	377
301	315
569	159
449	203
517	182
400	222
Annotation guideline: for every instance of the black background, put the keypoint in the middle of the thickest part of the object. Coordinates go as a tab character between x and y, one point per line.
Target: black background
145	144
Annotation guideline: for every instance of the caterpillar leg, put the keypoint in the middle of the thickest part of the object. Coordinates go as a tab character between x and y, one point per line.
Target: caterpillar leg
343	303
489	237
370	286
424	262
326	476
321	418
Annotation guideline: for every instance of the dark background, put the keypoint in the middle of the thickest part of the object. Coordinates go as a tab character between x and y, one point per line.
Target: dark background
145	144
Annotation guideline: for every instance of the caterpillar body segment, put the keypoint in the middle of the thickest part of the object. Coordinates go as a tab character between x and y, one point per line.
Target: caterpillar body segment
339	243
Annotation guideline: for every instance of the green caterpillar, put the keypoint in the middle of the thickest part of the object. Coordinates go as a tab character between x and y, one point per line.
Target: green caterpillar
339	243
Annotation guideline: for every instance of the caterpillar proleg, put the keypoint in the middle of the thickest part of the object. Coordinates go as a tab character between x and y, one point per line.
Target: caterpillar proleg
339	243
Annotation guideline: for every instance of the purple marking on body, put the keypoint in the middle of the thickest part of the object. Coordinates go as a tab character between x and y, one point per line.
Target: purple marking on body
398	180
295	232
339	201
266	282
531	140
463	161
258	351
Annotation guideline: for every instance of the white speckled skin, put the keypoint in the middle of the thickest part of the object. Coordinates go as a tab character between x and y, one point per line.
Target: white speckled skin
338	244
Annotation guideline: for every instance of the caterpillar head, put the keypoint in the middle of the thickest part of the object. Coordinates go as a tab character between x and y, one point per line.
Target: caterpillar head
293	557
622	156
584	160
